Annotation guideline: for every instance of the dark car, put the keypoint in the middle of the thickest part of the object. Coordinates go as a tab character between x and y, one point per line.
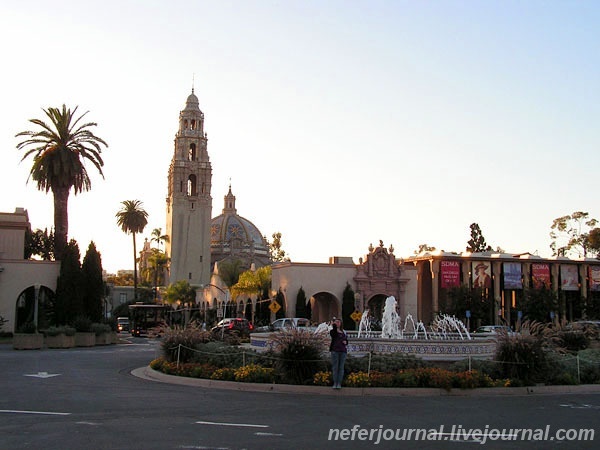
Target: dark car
237	325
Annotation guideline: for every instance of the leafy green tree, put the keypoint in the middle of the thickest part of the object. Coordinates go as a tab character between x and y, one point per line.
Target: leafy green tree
180	291
594	241
132	218
69	287
276	252
461	299
477	242
570	235
230	270
59	149
537	304
93	285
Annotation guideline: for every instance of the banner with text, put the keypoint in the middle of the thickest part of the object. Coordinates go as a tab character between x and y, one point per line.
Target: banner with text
569	280
540	274
450	274
512	276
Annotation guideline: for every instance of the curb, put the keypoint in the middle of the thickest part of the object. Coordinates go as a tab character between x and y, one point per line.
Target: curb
150	374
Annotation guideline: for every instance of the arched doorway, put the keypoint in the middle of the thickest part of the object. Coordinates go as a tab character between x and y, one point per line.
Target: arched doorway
376	305
324	306
26	307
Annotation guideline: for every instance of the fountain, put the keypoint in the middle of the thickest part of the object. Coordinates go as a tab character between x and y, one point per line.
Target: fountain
446	339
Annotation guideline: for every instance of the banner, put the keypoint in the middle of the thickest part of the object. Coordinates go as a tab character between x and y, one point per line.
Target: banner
482	275
450	274
540	274
512	276
569	279
594	278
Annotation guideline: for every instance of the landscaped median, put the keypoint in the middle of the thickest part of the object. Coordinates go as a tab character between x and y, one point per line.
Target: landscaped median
301	359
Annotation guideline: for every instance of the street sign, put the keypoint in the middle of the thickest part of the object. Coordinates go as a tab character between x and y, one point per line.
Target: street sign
356	316
274	306
220	313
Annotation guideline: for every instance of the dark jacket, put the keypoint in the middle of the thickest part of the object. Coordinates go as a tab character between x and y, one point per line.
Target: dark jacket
339	340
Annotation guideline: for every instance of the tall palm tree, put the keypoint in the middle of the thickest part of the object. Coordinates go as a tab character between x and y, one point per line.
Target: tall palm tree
59	151
132	218
158	237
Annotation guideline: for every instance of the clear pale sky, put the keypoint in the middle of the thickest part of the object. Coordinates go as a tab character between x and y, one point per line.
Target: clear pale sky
339	123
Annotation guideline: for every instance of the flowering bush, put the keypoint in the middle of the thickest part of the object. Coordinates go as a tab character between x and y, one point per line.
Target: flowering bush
253	373
224	373
381	379
358	379
323	379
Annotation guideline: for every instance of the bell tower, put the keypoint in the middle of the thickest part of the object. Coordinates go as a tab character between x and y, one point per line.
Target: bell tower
189	203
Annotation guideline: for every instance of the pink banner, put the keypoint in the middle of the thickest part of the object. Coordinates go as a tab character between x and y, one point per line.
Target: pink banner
569	279
540	273
595	278
450	274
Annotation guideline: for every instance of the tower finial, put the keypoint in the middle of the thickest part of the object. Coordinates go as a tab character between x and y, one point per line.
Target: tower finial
193	81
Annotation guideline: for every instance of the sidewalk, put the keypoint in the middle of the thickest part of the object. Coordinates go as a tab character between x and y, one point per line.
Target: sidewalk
150	374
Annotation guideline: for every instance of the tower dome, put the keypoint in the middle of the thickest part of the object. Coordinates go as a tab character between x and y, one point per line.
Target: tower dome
235	237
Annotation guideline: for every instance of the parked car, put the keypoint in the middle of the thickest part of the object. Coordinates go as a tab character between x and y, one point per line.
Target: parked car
288	323
233	325
492	330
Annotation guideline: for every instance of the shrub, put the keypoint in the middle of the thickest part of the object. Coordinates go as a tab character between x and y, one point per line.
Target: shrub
574	340
405	378
219	354
82	324
54	331
182	342
522	358
27	327
100	328
299	355
388	362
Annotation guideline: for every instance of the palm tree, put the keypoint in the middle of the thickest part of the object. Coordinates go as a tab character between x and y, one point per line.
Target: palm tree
158	237
132	218
59	152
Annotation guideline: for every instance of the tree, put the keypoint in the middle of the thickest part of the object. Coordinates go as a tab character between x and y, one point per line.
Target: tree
180	291
158	237
477	242
570	234
348	307
93	285
424	248
230	270
132	218
39	243
59	152
276	252
69	287
594	240
301	303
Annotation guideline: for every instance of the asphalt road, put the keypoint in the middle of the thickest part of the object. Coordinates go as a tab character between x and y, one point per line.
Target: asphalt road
86	398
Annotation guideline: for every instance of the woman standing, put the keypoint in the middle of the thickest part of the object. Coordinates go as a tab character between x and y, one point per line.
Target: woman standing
338	349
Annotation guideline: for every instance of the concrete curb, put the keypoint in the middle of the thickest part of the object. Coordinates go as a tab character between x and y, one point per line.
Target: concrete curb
152	375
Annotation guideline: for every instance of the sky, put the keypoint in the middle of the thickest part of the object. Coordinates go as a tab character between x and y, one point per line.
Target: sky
337	123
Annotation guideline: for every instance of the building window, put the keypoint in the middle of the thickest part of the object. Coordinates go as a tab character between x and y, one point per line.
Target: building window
122	297
192	152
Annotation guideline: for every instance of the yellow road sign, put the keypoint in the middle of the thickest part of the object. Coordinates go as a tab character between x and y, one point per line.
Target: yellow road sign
274	306
356	316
